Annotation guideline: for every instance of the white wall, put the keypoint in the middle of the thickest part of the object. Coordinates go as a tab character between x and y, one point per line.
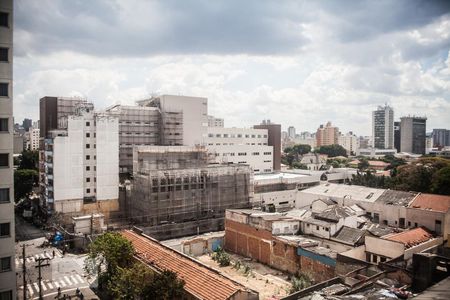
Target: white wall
384	247
285	227
276	197
107	158
236	136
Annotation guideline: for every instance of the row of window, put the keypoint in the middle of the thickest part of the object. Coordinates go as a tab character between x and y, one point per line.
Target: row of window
88	157
231	144
88	168
88	134
88	179
232	135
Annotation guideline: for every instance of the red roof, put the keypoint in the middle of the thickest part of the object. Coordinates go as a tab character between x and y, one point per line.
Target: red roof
432	202
411	237
201	281
378	163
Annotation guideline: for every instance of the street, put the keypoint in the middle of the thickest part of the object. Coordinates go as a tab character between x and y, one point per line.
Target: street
57	270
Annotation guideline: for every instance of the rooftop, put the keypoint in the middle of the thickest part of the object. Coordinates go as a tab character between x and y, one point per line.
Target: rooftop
397	197
432	202
411	238
354	192
335	213
200	280
349	235
277	176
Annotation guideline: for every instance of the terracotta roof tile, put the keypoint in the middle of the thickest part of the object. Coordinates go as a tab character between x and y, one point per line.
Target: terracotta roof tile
201	281
432	202
411	238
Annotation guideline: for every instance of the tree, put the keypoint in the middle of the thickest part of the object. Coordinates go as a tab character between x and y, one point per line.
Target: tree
297	165
29	160
440	183
363	164
301	149
140	282
332	150
24	180
107	254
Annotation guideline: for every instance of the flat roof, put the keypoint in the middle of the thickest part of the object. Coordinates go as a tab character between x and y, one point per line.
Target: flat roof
354	192
278	176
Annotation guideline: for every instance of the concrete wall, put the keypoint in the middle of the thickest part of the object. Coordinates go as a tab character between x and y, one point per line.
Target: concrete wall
384	247
428	218
285	227
278	198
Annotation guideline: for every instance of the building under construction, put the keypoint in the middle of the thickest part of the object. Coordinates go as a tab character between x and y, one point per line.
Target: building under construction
175	185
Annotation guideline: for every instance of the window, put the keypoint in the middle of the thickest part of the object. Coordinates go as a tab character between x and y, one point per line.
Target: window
88	179
88	191
88	134
376	218
88	168
4	195
327	229
317	227
4	89
3	124
88	146
88	157
6	295
88	123
4	54
4	19
438	227
4	230
5	264
4	160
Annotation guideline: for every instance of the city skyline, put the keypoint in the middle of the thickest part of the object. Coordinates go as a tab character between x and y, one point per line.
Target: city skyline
298	64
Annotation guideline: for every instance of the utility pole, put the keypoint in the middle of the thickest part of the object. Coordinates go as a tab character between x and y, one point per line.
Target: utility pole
92	224
24	271
39	266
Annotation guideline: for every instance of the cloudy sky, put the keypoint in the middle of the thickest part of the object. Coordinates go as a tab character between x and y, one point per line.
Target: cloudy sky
297	63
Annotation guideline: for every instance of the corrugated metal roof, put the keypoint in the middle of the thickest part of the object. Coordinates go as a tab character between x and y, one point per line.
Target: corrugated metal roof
201	281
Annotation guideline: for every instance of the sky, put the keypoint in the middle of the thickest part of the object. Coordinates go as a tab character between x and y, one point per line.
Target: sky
297	63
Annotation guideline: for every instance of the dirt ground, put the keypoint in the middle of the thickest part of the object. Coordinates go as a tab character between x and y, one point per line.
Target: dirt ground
270	283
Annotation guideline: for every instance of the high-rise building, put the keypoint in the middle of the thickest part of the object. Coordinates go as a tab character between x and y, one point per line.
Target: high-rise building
274	140
349	142
80	164
291	132
383	127
397	136
215	122
26	124
34	136
441	137
7	232
327	135
413	134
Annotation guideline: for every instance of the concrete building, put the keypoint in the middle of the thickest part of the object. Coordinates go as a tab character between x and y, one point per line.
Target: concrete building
327	135
34	134
413	134
215	122
441	138
291	132
26	124
7	231
374	152
241	146
19	142
79	164
176	186
274	140
350	142
383	127
397	136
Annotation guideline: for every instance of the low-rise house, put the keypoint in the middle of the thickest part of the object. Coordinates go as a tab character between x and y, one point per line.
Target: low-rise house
314	161
431	211
201	281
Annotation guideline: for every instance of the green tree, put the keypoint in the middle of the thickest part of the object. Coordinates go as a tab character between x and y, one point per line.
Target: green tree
297	165
363	164
140	282
441	182
332	150
29	160
107	254
24	180
301	149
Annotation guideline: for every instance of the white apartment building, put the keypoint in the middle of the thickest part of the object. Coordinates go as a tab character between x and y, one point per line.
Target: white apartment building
7	232
81	164
215	122
34	135
241	145
350	142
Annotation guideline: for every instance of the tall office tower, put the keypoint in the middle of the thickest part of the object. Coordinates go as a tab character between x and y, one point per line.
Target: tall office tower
274	140
327	135
413	134
215	122
291	132
441	137
383	127
397	136
26	124
80	164
7	233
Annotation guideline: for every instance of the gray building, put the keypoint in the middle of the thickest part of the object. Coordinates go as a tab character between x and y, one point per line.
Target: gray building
441	137
413	134
397	136
177	184
383	127
7	232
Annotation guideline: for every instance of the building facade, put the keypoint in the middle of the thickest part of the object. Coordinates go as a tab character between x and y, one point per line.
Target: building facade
215	122
34	134
327	135
441	137
274	140
291	132
383	127
413	134
7	232
80	164
350	142
397	136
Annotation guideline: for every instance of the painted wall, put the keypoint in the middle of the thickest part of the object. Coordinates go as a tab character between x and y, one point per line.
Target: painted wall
384	247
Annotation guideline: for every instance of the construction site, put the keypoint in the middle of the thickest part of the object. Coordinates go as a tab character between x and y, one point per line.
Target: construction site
175	192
